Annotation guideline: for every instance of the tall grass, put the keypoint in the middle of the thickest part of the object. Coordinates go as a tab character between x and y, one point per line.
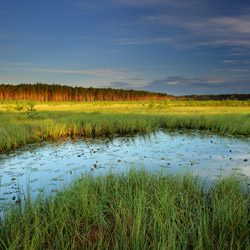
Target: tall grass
139	210
52	125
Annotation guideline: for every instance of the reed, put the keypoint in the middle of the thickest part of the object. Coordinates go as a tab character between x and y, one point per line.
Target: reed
139	210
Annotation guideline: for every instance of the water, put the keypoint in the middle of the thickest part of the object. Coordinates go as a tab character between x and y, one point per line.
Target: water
48	166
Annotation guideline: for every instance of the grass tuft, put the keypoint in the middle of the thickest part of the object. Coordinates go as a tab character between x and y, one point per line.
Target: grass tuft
139	210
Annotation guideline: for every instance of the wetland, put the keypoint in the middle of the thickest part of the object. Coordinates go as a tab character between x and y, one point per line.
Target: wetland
47	166
104	175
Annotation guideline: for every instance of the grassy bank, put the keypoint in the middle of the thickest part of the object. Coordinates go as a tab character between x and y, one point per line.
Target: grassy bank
52	120
136	211
15	132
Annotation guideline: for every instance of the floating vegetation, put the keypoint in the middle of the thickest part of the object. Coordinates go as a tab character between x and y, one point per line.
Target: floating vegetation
47	163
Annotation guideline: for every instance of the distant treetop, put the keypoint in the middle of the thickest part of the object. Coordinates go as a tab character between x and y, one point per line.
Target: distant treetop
58	93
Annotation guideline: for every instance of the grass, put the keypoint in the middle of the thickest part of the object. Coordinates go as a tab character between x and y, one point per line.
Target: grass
139	210
146	107
95	119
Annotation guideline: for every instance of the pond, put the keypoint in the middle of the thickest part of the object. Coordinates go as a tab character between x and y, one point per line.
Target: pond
47	166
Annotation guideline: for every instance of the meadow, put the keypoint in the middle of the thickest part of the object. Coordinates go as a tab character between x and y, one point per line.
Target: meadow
53	120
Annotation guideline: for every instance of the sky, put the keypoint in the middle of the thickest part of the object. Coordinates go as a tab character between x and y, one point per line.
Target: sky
177	47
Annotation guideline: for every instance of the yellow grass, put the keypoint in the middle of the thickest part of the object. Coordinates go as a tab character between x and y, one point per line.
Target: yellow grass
136	108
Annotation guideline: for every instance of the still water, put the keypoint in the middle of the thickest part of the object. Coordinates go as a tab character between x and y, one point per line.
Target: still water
48	166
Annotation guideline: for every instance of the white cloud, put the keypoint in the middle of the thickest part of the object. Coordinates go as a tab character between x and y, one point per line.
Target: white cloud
141	41
82	4
226	25
240	70
142	2
236	61
207	31
156	2
96	72
181	81
225	42
3	63
239	24
229	61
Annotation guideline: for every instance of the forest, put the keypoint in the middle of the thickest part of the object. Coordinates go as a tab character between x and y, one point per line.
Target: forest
42	92
58	93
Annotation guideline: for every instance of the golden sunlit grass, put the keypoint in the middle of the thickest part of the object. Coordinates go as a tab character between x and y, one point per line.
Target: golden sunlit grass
138	109
173	107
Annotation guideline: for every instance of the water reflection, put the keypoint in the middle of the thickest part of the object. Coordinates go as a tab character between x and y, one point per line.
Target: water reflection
49	165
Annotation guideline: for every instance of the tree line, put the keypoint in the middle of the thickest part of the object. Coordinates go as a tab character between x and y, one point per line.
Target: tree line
59	93
240	97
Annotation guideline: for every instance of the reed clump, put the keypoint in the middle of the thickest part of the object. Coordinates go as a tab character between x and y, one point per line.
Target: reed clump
139	210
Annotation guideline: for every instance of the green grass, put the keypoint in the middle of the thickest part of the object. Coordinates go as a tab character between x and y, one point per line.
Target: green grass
51	125
136	211
139	210
53	120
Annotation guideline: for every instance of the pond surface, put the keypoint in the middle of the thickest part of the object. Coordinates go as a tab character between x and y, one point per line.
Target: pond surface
49	165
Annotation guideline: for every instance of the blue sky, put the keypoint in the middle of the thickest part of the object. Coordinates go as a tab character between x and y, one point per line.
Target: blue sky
173	46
